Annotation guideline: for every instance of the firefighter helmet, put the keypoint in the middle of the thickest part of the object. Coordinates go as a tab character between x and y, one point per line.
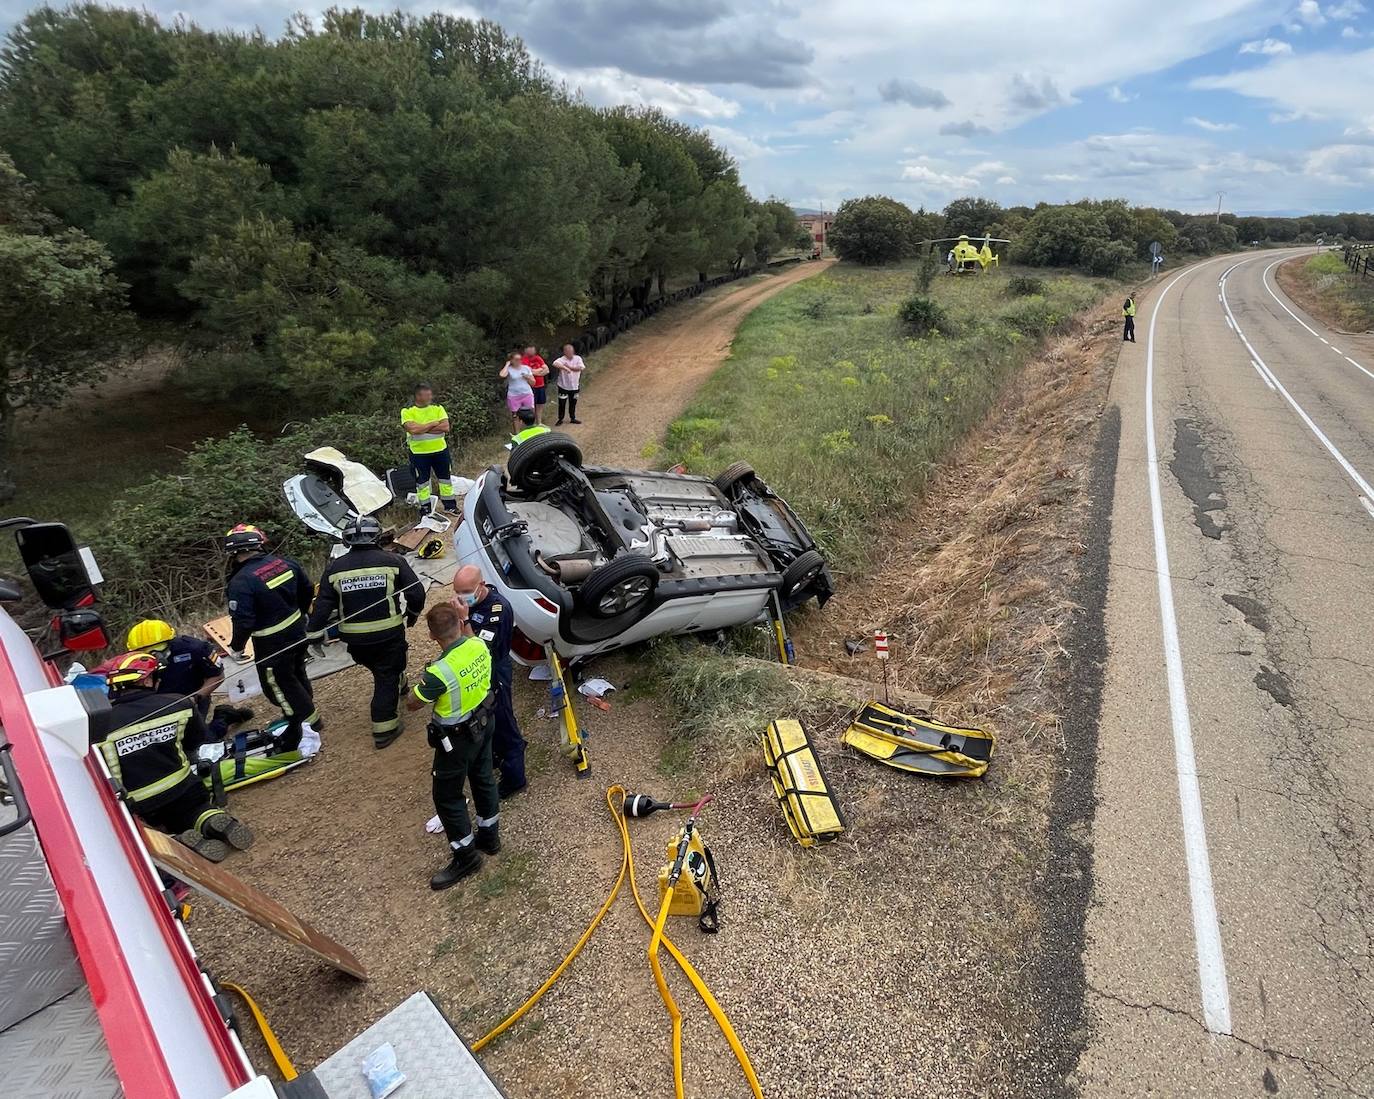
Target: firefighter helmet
149	633
245	536
134	670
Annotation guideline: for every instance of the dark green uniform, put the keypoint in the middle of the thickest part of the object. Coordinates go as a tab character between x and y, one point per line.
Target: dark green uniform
458	685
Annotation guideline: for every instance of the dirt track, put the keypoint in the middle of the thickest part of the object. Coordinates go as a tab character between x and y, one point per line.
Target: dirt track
656	368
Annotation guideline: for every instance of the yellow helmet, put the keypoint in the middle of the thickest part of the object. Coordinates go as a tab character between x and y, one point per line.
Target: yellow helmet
149	633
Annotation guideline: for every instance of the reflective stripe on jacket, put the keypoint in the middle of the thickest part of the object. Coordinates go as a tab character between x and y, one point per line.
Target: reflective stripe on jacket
424	443
370	592
458	682
1128	309
147	750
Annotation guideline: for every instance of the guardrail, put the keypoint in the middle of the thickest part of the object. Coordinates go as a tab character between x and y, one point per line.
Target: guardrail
1360	259
598	336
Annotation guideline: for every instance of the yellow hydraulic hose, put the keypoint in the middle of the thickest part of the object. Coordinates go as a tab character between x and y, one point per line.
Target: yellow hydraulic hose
615	800
284	1065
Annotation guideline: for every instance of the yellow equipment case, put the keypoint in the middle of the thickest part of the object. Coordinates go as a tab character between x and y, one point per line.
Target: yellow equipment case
810	809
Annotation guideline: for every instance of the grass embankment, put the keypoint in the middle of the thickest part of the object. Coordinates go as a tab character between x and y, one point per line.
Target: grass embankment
1330	291
828	399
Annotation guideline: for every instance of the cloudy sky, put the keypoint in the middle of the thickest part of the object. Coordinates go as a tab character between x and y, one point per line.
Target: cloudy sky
1167	102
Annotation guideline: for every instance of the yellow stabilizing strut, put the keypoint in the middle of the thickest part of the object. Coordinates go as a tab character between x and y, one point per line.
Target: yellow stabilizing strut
284	1065
574	746
615	801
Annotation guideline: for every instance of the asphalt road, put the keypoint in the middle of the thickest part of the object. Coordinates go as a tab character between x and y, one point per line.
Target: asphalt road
1230	940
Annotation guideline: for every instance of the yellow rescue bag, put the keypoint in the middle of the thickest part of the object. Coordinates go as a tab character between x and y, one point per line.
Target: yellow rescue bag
808	806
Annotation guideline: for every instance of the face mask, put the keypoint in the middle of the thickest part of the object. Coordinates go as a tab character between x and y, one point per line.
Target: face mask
469	598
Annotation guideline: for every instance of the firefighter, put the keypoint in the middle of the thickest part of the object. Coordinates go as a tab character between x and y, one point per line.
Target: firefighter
1128	315
426	426
269	597
374	595
492	623
149	748
190	668
458	686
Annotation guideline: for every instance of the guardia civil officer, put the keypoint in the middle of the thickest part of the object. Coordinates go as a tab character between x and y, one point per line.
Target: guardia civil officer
373	595
492	623
269	598
458	686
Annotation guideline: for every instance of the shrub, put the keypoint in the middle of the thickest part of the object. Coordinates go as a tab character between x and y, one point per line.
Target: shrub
1033	316
1022	286
921	316
1108	257
161	541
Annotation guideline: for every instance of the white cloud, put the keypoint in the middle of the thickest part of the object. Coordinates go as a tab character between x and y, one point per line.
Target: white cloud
1342	163
988	167
1116	95
929	179
1349	32
1267	46
1310	12
1005	181
1326	85
1345	10
611	87
1210	126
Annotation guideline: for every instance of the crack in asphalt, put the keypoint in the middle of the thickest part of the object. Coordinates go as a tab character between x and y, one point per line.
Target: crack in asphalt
1316	1068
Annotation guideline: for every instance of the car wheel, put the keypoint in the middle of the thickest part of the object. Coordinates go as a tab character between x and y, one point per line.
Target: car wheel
623	587
797	577
732	475
535	464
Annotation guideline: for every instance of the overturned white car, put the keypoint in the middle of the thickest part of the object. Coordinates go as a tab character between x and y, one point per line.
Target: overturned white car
592	559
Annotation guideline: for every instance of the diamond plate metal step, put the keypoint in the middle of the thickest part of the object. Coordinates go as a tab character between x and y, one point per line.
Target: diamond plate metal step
58	1053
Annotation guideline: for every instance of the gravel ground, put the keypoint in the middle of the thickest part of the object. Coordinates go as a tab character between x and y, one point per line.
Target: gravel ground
897	961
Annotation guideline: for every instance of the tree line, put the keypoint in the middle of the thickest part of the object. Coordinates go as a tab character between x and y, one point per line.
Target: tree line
335	213
1100	236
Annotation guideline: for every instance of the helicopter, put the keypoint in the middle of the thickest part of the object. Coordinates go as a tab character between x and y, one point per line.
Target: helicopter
964	258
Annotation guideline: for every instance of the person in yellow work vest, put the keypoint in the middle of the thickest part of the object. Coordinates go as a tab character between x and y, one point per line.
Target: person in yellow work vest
458	686
427	427
1128	314
528	428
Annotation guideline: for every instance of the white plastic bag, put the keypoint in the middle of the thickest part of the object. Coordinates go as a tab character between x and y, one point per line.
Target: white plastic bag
379	1067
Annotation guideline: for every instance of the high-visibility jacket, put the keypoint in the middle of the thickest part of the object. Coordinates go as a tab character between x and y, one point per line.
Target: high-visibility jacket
529	433
269	597
371	593
422	442
149	746
458	682
1128	308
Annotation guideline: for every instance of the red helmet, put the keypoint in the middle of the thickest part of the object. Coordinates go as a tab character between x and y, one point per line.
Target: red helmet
245	536
133	670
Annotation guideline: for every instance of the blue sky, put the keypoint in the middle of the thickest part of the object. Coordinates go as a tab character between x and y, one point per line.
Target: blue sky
1270	101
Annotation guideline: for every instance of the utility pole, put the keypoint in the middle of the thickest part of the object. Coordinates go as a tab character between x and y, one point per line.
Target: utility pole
1220	194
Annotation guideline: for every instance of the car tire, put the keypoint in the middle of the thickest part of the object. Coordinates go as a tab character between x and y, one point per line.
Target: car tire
731	476
535	464
805	567
623	587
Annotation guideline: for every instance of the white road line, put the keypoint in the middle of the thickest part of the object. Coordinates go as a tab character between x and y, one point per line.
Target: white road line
1263	376
1367	506
1264	278
1353	473
1211	966
1228	321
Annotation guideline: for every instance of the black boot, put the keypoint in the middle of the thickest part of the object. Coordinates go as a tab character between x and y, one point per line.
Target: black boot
466	862
231	715
231	830
489	838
